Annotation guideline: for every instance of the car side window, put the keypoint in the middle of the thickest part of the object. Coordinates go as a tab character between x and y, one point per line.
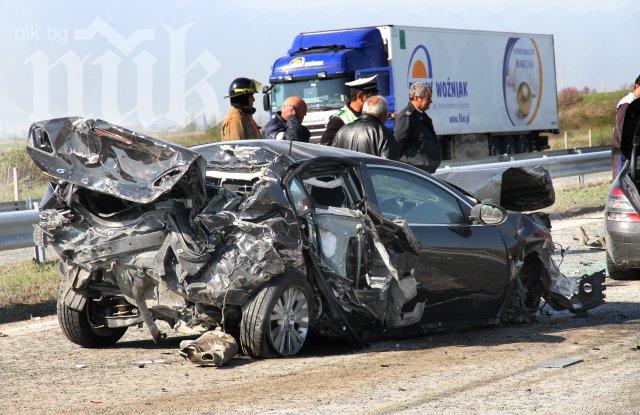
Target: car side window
418	200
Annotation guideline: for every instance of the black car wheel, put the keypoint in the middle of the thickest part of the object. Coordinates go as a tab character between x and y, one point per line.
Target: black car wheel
616	272
84	328
276	321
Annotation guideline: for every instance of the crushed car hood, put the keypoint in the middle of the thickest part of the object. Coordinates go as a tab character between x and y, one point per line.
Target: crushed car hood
100	156
518	189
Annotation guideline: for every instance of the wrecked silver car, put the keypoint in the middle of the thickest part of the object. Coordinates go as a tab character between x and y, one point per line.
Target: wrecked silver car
270	239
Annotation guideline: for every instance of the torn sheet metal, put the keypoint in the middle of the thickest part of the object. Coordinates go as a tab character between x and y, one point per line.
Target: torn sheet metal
515	188
527	239
369	273
110	159
213	348
238	156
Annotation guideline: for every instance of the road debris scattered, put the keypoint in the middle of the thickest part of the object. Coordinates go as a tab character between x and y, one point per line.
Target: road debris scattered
560	363
80	366
214	348
143	363
583	237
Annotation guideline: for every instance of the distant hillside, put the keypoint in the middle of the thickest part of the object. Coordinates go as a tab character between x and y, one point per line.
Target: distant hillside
580	111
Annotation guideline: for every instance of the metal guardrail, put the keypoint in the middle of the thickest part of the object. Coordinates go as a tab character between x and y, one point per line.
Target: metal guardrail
16	229
16	223
16	206
558	166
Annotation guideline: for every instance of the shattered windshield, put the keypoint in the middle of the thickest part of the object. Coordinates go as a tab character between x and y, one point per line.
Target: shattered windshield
318	94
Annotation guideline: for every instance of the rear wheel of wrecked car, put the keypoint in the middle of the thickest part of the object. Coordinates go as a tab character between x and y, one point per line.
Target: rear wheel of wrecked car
616	272
276	321
84	327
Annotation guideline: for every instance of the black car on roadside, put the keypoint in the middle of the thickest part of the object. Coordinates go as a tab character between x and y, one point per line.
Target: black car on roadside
271	239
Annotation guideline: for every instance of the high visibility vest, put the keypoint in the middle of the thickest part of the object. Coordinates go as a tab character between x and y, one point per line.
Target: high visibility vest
346	115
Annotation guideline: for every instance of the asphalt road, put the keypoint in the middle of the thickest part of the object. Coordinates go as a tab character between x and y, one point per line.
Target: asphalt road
488	371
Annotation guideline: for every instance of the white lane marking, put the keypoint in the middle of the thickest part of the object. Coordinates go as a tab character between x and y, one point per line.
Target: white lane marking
30	328
573	223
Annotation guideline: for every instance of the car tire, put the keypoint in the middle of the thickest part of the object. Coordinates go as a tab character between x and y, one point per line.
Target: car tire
276	321
616	272
77	327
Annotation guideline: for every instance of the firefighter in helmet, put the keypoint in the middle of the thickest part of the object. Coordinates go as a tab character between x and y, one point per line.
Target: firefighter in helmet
239	123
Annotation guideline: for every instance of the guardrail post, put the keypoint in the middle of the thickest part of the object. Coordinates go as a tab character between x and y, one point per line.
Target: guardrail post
566	146
590	137
16	191
40	258
581	179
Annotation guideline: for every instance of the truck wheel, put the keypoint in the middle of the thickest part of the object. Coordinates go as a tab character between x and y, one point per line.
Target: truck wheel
616	272
276	321
82	329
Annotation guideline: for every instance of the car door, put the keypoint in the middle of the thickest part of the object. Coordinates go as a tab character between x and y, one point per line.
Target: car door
463	268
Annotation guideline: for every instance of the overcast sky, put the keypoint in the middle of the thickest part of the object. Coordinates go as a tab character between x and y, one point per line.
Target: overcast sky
159	63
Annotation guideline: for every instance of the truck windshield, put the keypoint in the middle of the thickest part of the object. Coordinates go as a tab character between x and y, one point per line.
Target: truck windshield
319	94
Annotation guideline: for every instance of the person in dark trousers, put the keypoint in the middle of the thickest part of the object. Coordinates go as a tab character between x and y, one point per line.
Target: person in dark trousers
287	123
359	91
368	133
617	159
239	123
417	141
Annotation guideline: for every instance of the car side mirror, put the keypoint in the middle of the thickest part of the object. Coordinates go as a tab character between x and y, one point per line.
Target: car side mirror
487	214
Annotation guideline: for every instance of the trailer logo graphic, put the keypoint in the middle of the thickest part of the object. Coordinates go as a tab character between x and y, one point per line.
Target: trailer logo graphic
522	80
419	69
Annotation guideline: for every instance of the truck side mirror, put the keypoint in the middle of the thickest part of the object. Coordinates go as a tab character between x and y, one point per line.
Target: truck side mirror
266	98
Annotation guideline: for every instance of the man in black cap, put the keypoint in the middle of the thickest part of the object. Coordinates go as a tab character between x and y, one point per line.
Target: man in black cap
359	90
616	156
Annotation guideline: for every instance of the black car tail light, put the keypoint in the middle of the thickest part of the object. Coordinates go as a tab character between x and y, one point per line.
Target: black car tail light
619	209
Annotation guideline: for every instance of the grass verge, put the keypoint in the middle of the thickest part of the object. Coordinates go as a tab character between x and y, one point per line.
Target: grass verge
27	288
576	201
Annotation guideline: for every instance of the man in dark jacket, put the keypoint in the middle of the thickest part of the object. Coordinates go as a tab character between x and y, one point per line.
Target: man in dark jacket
368	133
617	160
287	123
417	141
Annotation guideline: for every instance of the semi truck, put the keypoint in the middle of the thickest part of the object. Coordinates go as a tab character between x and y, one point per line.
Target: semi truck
493	92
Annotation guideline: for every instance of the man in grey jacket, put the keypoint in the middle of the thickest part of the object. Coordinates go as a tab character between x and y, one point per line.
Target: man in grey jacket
368	133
